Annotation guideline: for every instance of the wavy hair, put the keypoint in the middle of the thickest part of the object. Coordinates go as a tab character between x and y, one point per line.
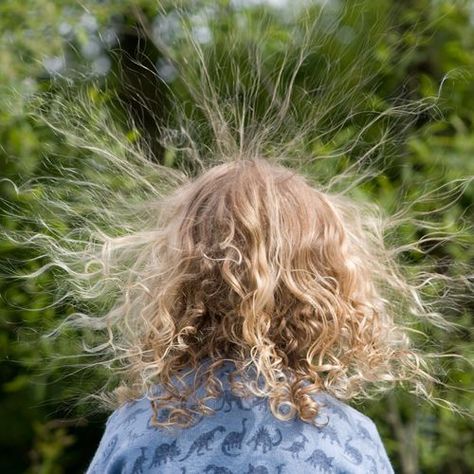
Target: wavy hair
251	263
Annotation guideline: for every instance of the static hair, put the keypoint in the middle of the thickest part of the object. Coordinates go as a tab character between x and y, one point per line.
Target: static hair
251	263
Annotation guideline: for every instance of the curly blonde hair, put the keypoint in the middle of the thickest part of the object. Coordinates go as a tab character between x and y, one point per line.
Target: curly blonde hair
249	262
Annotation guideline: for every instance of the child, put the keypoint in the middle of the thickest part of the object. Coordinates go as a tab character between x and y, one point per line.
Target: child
260	304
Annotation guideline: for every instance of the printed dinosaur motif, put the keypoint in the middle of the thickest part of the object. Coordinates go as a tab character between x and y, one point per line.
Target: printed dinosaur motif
233	440
139	462
363	433
134	436
263	469
109	448
328	432
373	464
337	410
320	460
228	399
212	468
352	453
257	470
130	419
165	452
203	441
297	446
262	439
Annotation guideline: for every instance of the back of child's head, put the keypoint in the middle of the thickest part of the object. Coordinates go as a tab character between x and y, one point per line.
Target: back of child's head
250	262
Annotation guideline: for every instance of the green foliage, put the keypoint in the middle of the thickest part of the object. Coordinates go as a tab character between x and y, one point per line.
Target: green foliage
423	49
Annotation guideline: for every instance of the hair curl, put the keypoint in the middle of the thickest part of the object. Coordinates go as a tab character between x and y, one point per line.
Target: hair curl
249	262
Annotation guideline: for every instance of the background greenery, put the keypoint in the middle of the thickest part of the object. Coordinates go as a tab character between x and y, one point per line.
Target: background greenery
418	44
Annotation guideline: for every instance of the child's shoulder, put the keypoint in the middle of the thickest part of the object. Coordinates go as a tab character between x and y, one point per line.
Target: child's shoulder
355	433
131	414
126	430
339	412
340	408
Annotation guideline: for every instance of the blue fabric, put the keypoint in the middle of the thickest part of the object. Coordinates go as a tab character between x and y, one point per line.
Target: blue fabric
243	437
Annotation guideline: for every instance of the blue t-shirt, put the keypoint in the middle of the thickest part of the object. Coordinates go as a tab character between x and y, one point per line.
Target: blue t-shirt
242	437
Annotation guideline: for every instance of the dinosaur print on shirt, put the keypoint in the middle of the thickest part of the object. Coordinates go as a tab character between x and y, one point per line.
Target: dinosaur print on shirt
262	440
203	442
241	436
297	446
165	452
233	441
